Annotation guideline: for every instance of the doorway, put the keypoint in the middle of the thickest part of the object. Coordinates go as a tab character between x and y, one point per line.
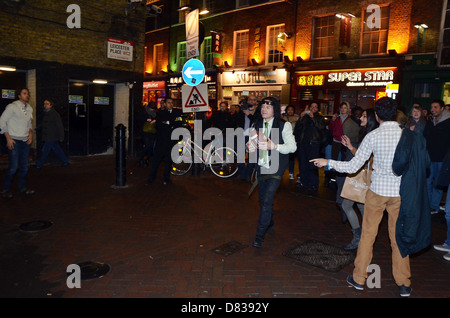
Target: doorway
91	118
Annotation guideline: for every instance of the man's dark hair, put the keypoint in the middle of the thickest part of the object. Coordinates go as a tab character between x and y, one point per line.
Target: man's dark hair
386	108
439	101
52	103
19	91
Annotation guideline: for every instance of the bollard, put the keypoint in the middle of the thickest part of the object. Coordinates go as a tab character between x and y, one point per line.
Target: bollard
121	166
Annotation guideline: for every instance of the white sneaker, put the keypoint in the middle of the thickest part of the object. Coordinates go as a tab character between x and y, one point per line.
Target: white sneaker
447	256
291	176
443	248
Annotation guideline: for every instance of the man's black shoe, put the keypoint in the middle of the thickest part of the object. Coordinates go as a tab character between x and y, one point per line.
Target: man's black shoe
257	243
7	194
355	285
27	191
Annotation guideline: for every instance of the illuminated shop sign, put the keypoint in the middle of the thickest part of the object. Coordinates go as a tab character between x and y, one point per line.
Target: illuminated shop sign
154	85
347	78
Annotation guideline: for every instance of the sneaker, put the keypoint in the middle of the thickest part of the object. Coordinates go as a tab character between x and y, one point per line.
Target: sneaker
257	243
447	256
405	291
354	284
433	211
442	208
443	248
291	176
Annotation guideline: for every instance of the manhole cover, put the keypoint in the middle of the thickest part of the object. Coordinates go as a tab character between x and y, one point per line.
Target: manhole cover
229	248
93	270
35	226
325	256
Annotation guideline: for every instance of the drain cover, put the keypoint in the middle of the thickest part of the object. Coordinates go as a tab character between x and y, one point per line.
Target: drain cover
93	270
35	226
229	248
327	257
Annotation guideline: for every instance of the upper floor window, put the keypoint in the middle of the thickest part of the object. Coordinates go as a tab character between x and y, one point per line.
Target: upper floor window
274	50
182	13
242	3
240	48
444	54
181	55
158	57
374	39
206	52
323	45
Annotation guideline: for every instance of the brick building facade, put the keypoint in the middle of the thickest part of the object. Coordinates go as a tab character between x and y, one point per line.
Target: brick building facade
58	48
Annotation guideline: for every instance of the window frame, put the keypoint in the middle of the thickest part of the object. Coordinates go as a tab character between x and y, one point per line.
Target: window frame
157	62
245	56
283	25
363	21
313	46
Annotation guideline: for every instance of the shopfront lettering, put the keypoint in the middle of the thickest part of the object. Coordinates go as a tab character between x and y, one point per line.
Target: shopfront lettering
247	78
344	76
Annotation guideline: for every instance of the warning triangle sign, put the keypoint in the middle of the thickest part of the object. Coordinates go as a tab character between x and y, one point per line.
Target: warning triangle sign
195	99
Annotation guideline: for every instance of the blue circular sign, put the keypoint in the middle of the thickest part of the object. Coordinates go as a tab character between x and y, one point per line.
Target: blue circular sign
193	72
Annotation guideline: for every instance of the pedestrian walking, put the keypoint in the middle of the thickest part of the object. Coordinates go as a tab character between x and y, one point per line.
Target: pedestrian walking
15	125
52	131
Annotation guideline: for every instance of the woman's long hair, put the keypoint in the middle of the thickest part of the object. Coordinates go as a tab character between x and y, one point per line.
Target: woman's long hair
372	124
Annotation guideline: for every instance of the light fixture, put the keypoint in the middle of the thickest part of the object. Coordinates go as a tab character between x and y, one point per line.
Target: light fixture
100	81
286	34
345	15
254	62
299	59
184	8
204	11
7	68
227	64
420	25
392	52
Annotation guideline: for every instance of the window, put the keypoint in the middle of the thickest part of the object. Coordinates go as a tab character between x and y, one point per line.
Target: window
158	56
444	52
240	48
181	55
274	49
207	54
242	3
323	45
182	14
374	40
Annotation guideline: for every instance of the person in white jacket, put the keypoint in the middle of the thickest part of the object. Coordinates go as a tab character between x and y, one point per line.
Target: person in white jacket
15	124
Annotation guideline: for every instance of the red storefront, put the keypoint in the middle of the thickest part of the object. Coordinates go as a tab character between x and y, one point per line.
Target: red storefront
153	92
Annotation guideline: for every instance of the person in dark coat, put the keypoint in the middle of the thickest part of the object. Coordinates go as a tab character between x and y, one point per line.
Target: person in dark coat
411	161
444	182
166	121
52	133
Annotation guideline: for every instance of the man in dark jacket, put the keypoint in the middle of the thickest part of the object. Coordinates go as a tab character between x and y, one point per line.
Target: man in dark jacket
411	161
308	133
166	121
52	134
437	135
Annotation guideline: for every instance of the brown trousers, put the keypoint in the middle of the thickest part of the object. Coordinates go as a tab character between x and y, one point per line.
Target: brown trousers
373	213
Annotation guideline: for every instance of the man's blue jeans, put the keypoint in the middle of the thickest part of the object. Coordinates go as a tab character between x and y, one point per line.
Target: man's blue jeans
447	215
49	146
18	162
434	193
267	189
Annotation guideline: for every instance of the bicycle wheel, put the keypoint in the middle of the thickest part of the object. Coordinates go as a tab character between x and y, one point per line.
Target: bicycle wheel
223	162
179	167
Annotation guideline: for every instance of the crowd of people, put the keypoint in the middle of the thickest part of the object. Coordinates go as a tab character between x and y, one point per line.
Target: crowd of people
407	155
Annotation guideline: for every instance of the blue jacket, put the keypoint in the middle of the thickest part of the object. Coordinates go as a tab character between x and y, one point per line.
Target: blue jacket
411	161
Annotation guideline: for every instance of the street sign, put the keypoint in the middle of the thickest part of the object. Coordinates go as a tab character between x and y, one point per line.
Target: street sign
193	72
192	38
195	98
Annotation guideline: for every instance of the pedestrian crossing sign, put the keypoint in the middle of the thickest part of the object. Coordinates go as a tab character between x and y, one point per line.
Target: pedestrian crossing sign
195	98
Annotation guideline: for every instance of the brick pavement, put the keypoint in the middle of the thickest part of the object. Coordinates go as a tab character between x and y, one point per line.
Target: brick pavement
159	240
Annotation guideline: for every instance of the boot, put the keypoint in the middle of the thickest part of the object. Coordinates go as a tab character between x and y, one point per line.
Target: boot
355	241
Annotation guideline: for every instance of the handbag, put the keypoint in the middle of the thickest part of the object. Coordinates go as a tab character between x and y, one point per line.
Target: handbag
149	128
356	185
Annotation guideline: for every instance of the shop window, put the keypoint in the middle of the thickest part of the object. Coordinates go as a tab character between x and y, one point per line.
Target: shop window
323	45
181	55
158	57
240	48
374	40
446	97
427	90
274	47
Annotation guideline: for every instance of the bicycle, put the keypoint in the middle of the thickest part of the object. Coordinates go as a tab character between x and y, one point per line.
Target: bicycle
222	161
